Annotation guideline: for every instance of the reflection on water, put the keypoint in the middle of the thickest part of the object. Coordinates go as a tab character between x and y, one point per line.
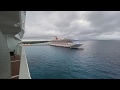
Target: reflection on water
81	48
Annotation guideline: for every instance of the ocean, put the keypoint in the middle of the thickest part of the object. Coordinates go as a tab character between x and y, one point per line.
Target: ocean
96	60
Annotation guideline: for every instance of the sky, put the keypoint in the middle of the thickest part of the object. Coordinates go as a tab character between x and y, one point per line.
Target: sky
81	25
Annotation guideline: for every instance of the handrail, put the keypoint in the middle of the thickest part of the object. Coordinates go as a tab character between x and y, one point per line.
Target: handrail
24	69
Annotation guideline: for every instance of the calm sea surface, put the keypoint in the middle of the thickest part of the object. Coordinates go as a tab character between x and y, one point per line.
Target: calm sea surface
98	60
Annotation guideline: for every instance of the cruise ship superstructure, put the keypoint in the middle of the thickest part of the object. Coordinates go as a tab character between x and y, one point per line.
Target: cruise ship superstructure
69	43
13	62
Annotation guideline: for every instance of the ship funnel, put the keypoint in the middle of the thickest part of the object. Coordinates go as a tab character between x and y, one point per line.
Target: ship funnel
56	37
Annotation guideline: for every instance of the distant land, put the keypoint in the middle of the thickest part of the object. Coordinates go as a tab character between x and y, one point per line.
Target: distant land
33	42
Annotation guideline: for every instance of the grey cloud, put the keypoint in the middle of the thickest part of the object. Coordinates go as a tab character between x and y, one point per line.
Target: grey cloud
65	18
104	21
74	24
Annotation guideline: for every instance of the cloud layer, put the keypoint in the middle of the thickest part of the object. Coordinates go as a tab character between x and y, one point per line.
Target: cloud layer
83	25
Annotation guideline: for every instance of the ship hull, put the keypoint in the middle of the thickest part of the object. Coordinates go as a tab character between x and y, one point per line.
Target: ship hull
75	46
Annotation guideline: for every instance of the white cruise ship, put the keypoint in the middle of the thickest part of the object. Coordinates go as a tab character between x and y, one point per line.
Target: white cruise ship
13	62
69	43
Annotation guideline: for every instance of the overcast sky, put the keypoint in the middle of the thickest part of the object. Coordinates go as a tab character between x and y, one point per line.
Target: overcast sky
83	25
